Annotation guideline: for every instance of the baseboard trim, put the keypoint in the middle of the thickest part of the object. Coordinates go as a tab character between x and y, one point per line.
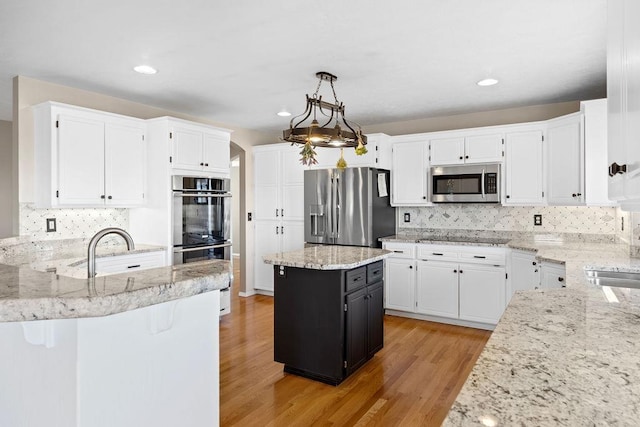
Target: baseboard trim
246	294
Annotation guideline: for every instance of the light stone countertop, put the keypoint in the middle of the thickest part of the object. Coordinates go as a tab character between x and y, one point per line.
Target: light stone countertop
327	257
565	357
26	294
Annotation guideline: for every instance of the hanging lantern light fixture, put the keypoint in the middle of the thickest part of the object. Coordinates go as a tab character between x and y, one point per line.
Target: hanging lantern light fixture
334	132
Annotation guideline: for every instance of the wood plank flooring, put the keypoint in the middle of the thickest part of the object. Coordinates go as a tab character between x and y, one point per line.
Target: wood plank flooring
413	380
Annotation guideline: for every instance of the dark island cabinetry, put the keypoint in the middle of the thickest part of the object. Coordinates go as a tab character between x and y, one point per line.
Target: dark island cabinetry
327	323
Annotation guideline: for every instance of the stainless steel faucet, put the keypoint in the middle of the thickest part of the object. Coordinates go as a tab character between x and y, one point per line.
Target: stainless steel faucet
91	256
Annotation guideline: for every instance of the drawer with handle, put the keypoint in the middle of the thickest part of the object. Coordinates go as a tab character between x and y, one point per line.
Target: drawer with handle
400	250
438	252
355	279
374	272
494	256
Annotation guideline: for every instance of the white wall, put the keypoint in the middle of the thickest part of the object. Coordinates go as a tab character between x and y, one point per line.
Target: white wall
6	179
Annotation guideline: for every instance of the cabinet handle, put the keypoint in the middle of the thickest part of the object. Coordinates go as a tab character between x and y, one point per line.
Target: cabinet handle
460	157
560	279
281	212
534	263
102	196
455	271
535	271
461	272
201	164
282	229
508	197
615	169
206	164
438	254
466	157
411	267
276	212
574	195
424	197
579	194
277	230
398	252
109	197
133	266
479	257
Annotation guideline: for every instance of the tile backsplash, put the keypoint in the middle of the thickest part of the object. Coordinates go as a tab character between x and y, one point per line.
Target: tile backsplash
555	219
70	223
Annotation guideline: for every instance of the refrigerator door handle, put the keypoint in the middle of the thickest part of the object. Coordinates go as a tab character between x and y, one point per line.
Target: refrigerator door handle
337	205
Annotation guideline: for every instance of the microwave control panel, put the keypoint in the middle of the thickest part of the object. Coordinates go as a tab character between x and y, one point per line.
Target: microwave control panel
491	183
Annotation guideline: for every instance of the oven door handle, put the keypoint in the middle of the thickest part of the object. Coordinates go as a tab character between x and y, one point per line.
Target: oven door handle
200	248
201	195
482	183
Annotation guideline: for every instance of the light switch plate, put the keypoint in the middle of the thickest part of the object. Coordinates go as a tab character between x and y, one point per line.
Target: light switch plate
51	225
407	217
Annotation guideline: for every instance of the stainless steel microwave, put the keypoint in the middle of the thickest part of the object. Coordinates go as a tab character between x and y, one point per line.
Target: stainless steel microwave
466	184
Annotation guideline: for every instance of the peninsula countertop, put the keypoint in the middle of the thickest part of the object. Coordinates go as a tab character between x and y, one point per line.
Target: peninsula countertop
327	257
26	294
558	356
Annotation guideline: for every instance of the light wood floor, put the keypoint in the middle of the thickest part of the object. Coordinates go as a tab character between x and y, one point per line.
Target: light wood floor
413	380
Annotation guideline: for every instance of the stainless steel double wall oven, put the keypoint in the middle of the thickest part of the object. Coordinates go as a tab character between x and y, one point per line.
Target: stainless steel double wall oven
201	219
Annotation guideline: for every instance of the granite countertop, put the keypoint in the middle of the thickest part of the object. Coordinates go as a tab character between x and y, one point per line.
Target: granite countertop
327	257
26	294
558	356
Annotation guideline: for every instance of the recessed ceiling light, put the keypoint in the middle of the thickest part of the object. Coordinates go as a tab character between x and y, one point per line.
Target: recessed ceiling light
284	113
145	69
487	82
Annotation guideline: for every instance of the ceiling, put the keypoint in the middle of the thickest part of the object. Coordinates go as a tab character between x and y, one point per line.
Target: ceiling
239	62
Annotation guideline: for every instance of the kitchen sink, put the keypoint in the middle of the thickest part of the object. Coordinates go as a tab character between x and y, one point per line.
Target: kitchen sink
619	279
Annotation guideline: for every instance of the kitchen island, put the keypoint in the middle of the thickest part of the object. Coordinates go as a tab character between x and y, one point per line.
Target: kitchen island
131	349
328	309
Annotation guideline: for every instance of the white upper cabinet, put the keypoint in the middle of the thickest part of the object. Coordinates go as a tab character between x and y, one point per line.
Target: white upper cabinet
378	154
199	148
88	158
466	149
523	168
409	174
565	160
596	175
623	91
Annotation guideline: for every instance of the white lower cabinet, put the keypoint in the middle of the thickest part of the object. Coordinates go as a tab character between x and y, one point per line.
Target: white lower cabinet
460	284
552	275
400	282
482	293
437	288
129	262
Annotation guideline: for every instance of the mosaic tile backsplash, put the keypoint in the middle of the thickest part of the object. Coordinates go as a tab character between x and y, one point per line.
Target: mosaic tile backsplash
555	219
70	223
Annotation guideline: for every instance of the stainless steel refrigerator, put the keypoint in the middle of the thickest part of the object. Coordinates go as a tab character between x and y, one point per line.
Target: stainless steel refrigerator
347	207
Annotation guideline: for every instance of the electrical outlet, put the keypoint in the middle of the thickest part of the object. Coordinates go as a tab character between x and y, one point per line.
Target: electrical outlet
537	219
407	217
51	225
249	216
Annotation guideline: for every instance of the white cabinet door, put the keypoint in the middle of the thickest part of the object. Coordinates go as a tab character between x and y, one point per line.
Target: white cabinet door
552	276
266	241
632	120
187	148
292	235
595	152
80	161
482	293
483	148
215	152
292	204
399	284
524	274
437	288
292	170
266	165
125	164
523	168
565	157
267	203
409	174
446	151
